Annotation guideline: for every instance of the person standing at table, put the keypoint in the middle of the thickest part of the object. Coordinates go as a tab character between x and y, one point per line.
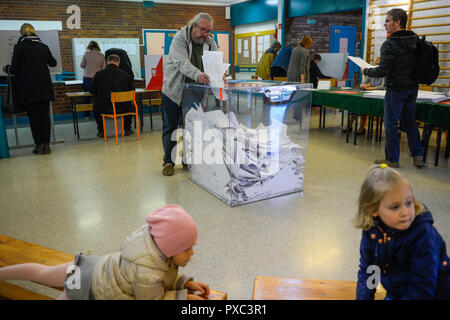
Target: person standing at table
93	61
183	65
298	70
280	65
263	71
397	64
34	90
111	79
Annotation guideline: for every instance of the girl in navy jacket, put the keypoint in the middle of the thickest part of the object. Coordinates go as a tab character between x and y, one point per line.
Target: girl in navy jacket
399	244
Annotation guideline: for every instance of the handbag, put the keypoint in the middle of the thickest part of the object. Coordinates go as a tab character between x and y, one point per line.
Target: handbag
8	104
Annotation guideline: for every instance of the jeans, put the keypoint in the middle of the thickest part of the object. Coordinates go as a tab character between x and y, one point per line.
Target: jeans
400	105
173	117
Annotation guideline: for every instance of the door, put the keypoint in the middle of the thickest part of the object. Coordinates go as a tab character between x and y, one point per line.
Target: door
343	39
222	39
157	42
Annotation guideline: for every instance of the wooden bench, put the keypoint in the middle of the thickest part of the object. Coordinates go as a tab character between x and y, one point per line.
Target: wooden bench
276	288
14	251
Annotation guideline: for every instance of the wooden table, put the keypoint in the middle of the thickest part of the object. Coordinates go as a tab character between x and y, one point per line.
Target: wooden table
276	288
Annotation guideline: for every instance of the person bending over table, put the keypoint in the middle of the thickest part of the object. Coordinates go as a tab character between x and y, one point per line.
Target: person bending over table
111	79
369	83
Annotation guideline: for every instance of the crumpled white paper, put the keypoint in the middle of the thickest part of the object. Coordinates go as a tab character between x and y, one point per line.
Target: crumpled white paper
215	68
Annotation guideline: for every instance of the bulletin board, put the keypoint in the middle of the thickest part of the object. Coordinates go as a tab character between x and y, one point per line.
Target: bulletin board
251	46
130	45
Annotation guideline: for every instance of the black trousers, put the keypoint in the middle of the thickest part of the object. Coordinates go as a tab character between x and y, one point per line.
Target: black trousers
277	72
38	113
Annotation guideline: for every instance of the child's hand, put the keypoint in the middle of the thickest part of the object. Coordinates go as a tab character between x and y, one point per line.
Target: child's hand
193	286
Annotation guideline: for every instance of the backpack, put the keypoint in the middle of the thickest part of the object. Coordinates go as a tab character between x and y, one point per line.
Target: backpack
427	62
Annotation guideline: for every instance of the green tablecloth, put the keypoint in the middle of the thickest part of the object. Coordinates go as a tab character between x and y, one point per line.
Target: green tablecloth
435	114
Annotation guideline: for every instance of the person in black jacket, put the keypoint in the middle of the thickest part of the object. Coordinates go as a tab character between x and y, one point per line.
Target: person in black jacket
34	90
397	64
125	63
314	72
111	79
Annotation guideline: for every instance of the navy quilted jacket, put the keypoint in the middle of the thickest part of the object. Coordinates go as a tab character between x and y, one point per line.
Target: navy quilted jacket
413	263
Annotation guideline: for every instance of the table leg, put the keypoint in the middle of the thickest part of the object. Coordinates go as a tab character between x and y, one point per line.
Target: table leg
438	147
73	115
323	118
426	134
447	149
52	122
320	116
348	127
355	133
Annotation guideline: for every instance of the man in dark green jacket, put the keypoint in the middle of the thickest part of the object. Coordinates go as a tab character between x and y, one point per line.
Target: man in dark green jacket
397	64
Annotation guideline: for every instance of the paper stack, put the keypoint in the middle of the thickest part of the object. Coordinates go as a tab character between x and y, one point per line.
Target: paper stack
240	164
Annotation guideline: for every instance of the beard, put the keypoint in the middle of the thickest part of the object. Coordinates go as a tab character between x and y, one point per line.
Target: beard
199	40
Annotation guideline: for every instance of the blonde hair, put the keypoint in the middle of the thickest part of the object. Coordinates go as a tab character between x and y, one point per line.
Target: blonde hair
93	45
27	30
378	181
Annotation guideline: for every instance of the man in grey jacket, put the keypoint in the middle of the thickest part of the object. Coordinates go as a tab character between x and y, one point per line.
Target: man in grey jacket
183	65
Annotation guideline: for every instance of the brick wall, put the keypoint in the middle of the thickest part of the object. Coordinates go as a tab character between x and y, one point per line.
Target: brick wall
108	19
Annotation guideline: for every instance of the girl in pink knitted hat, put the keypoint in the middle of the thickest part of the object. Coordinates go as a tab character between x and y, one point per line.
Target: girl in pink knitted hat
145	268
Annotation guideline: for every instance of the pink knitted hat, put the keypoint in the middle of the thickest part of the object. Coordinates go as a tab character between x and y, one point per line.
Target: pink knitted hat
173	229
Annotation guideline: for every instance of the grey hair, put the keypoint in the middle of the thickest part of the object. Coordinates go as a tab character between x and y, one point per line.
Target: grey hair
202	15
400	15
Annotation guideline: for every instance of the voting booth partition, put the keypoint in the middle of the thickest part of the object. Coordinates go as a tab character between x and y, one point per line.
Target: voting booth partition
246	141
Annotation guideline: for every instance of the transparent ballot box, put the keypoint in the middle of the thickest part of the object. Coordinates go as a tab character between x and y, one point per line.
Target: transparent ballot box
247	141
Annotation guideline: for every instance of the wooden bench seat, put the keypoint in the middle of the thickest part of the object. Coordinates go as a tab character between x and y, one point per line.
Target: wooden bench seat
14	251
276	288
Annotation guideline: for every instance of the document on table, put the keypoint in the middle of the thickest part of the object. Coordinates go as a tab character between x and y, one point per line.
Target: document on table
360	62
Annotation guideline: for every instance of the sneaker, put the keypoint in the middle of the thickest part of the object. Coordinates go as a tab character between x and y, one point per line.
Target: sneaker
168	169
128	132
39	149
345	130
47	149
361	133
418	162
389	163
100	134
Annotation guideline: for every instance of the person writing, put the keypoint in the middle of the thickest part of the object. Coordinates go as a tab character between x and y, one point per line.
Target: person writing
183	65
33	84
145	268
93	61
397	64
399	246
111	79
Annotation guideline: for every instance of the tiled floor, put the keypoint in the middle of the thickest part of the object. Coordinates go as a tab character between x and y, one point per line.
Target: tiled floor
88	195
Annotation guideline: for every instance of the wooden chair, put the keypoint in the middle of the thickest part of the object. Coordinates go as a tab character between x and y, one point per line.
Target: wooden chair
116	97
14	251
276	288
81	107
280	79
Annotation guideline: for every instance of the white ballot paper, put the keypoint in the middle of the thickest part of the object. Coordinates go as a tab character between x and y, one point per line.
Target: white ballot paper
215	68
360	62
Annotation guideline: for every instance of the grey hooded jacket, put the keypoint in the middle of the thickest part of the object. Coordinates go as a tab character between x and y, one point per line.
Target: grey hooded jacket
177	64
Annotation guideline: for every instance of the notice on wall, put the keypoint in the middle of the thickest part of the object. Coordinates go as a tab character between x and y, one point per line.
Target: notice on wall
245	53
245	45
239	45
253	56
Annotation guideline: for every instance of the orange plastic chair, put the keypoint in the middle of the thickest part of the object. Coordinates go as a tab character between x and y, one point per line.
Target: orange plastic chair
121	97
